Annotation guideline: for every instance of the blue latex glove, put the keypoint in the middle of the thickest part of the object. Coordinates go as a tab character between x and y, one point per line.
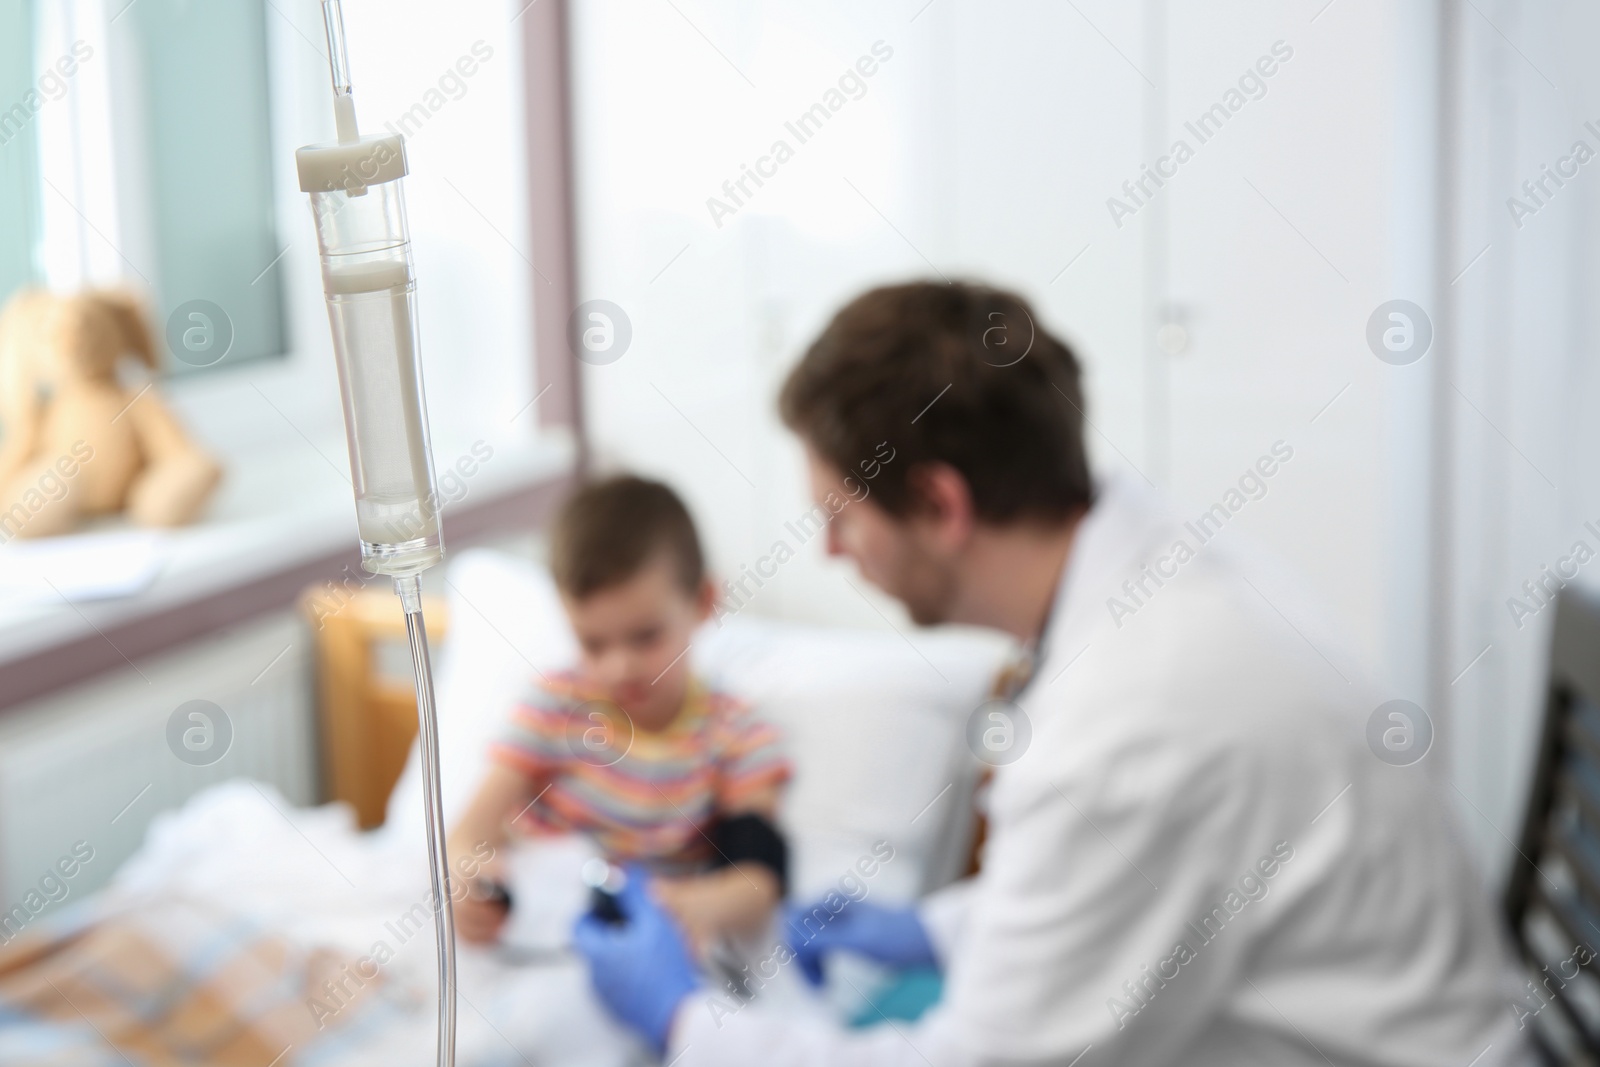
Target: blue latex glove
640	968
894	937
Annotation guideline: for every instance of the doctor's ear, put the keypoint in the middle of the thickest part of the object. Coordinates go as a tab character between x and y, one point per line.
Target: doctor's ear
942	501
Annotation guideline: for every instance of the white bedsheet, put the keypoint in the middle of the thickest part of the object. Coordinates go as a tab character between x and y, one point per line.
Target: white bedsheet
311	875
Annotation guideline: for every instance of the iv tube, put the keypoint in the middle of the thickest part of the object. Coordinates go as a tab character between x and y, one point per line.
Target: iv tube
344	102
358	204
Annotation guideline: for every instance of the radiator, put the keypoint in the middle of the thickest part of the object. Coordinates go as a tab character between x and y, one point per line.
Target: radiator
89	768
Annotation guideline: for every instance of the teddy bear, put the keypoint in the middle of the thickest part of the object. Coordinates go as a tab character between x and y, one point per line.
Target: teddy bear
76	442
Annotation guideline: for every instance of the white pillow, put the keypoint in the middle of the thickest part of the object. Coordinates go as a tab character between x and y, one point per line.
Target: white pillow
875	727
876	733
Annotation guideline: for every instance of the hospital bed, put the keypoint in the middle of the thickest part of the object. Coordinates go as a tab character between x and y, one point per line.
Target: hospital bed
247	931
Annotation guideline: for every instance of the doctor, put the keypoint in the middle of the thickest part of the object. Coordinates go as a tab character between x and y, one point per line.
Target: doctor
1197	857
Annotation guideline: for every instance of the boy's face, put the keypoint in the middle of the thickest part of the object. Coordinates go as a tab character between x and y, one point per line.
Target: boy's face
632	637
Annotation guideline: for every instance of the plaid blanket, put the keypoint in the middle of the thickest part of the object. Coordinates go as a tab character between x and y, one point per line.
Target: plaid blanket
247	931
172	982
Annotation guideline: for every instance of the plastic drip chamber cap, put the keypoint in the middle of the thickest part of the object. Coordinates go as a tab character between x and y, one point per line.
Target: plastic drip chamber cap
351	166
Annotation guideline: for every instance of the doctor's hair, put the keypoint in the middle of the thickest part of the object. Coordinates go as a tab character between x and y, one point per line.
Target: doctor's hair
610	530
960	374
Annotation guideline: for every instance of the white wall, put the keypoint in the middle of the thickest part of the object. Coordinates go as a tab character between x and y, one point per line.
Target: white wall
1524	387
97	762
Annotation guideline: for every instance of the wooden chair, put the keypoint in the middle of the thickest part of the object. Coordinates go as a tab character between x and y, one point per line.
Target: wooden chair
1552	899
366	700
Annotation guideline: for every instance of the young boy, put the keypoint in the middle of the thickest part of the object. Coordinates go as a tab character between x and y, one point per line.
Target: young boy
630	747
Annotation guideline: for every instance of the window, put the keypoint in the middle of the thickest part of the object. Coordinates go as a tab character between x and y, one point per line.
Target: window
164	162
155	163
200	71
19	164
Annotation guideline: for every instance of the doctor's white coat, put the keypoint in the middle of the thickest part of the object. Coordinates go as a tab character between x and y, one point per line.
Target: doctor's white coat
1197	860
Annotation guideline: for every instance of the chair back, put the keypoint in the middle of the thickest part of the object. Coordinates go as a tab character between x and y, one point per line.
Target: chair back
1552	899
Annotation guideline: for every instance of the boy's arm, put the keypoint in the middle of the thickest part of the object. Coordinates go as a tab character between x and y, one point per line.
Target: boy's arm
733	899
759	881
762	802
730	900
504	792
752	888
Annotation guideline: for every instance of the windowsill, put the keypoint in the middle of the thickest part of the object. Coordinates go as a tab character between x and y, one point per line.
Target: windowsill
276	514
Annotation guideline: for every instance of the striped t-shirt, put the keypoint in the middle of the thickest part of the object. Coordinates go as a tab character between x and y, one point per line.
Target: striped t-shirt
646	797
